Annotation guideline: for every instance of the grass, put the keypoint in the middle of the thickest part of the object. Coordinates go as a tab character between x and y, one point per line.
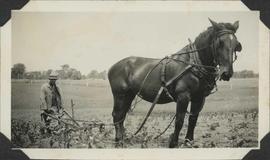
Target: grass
97	97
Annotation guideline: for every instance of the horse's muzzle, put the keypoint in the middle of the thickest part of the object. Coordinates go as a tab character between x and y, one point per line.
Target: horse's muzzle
226	76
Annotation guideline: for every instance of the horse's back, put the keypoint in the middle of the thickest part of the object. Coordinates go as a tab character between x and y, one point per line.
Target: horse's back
129	72
127	65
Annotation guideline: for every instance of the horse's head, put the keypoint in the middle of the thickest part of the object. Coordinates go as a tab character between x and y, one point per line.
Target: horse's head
225	44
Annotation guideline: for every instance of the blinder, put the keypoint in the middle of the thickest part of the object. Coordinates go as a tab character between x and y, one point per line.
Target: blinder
238	47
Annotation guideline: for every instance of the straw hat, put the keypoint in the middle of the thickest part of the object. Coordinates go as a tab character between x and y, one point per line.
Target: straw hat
53	75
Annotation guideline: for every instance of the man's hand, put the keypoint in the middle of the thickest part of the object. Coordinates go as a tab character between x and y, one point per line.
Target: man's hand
61	110
43	107
43	110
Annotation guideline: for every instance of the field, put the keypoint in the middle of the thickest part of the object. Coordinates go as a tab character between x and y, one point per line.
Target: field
229	117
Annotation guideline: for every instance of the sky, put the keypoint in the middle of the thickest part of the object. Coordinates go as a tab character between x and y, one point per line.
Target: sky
97	40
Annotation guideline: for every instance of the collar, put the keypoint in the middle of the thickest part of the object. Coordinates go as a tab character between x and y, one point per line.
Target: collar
201	72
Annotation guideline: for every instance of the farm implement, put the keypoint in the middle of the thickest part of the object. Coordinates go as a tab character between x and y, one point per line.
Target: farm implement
65	128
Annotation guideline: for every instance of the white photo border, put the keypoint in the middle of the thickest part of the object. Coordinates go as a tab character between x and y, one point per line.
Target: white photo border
136	6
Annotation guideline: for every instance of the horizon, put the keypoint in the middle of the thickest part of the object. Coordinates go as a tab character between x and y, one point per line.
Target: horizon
102	70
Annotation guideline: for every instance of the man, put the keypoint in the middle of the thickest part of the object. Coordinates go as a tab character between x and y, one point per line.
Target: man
51	101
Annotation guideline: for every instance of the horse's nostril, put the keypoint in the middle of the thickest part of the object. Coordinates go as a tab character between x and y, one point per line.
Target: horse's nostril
226	76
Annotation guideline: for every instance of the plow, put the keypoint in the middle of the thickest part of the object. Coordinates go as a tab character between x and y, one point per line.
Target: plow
65	125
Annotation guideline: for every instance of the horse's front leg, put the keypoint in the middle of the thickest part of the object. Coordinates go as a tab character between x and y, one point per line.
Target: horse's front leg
196	106
181	108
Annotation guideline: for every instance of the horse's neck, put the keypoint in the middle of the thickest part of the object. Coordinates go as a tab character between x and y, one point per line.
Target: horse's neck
203	44
182	57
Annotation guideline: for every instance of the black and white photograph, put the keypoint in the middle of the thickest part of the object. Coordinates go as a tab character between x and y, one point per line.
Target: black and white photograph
135	79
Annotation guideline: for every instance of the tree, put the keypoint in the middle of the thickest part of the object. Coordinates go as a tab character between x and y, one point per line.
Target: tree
76	75
245	74
103	75
65	67
48	72
35	75
18	71
70	73
83	76
93	74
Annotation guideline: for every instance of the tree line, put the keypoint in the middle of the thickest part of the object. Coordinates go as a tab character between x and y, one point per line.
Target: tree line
245	74
18	71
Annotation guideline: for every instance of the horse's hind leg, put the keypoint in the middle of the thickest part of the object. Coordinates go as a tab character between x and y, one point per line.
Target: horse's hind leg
122	103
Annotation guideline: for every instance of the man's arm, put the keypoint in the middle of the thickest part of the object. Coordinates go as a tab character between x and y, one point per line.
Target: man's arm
61	97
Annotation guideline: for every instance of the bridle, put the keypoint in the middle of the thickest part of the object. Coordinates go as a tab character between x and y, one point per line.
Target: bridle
213	46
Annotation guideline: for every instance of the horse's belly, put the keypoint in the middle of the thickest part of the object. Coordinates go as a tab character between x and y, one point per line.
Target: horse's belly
151	95
149	85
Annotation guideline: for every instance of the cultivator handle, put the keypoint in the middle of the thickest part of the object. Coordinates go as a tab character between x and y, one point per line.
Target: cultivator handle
71	118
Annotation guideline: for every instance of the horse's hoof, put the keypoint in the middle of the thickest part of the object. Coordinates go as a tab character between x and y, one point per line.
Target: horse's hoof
173	143
119	145
188	143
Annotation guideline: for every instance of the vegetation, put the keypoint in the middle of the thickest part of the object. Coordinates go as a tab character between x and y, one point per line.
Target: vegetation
228	119
18	71
245	74
94	74
214	129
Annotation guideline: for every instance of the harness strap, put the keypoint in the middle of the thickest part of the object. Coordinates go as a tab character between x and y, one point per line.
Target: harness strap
163	79
163	72
162	88
178	75
168	94
151	109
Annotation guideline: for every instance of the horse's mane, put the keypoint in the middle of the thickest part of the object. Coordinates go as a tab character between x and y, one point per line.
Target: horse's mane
205	37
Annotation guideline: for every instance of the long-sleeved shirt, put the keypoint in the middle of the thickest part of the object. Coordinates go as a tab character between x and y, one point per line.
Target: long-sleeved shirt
50	96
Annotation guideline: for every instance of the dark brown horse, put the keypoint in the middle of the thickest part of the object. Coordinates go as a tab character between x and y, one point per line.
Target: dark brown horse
213	50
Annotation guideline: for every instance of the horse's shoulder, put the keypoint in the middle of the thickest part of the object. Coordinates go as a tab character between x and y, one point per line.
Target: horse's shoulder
188	82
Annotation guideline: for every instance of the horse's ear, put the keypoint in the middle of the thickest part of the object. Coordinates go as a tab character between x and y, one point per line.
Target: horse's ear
236	25
214	24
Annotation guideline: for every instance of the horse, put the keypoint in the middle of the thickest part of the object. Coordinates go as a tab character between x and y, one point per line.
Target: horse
210	58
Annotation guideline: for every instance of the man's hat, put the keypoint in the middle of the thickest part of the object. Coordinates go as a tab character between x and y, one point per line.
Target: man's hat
53	75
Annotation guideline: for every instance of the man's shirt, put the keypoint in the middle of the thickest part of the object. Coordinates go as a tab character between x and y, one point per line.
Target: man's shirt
50	96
